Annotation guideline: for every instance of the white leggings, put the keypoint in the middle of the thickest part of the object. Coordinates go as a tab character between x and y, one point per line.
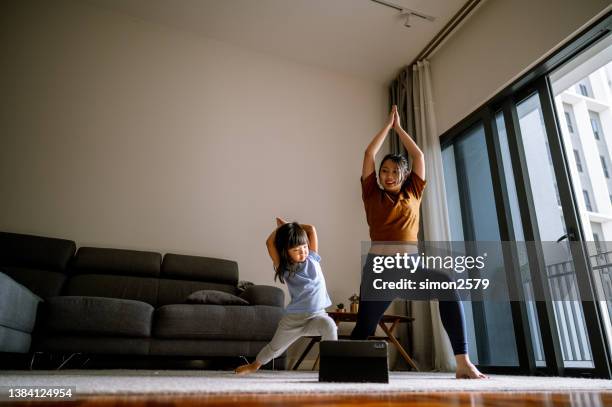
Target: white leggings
292	327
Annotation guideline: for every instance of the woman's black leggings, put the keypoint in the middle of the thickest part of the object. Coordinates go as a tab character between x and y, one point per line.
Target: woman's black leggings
451	314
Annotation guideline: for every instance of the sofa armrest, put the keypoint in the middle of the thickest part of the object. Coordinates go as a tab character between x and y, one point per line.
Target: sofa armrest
264	295
18	305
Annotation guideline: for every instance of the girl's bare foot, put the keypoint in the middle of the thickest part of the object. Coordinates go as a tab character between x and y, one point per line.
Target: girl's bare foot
466	369
246	369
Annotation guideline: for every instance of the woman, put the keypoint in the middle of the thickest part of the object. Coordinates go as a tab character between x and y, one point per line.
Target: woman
393	216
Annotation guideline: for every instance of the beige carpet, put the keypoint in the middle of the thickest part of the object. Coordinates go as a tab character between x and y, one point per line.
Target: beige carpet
209	382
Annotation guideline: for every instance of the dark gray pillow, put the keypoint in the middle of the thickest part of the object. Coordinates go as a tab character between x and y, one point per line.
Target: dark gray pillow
214	297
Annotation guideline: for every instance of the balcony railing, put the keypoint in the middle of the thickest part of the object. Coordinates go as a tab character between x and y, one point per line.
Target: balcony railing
568	312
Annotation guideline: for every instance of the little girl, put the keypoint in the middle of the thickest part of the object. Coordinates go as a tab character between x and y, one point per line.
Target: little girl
293	249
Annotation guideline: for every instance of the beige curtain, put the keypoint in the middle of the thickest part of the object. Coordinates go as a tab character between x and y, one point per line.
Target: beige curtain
412	92
400	94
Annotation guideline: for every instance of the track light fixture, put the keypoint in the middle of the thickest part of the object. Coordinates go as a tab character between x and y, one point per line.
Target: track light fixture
405	12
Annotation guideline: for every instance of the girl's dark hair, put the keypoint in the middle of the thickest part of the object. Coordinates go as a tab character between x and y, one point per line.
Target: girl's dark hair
287	237
400	160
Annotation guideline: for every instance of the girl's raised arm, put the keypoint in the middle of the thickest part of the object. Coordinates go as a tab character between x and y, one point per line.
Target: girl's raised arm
272	250
375	144
313	241
271	246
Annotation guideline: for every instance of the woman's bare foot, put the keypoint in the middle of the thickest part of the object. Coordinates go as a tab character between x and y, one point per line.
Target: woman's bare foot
246	369
466	369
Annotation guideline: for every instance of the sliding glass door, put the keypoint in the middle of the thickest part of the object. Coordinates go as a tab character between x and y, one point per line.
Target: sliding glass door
552	224
582	91
473	213
534	166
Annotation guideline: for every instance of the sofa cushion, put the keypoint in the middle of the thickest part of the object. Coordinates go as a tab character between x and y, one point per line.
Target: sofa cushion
125	287
199	321
264	295
18	305
177	266
35	251
95	260
98	316
214	297
41	282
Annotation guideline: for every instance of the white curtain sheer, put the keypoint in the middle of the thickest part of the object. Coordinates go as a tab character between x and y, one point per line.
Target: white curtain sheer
434	212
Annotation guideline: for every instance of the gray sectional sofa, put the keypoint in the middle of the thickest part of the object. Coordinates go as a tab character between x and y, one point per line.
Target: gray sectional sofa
102	301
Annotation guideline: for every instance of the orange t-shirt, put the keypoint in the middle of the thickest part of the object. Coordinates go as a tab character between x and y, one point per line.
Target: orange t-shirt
393	217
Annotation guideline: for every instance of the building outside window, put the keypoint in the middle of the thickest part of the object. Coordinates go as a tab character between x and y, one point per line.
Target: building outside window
604	166
587	200
584	87
568	119
595	124
578	162
580	115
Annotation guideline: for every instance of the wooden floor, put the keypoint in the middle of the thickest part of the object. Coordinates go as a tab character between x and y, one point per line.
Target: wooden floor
465	399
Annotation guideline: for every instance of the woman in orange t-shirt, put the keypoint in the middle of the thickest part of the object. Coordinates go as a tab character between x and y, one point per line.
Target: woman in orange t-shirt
392	213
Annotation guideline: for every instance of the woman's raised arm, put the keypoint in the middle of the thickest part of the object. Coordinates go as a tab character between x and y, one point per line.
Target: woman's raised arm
415	153
375	144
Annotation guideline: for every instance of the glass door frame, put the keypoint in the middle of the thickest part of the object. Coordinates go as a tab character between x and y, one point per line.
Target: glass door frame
524	345
548	327
536	81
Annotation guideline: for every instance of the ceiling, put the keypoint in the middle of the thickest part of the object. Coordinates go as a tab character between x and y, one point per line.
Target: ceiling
355	37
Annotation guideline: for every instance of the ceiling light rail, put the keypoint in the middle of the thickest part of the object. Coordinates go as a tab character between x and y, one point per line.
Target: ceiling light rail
405	12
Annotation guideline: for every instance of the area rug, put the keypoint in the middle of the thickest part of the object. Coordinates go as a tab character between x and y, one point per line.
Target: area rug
97	382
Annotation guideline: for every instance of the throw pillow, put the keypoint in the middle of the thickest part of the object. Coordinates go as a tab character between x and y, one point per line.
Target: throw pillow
214	297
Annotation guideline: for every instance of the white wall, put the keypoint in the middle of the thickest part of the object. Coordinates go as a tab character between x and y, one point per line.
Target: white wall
501	40
120	133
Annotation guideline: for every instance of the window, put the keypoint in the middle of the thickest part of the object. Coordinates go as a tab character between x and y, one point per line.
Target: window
604	166
568	119
587	200
597	241
595	129
595	124
585	88
578	162
469	187
566	93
